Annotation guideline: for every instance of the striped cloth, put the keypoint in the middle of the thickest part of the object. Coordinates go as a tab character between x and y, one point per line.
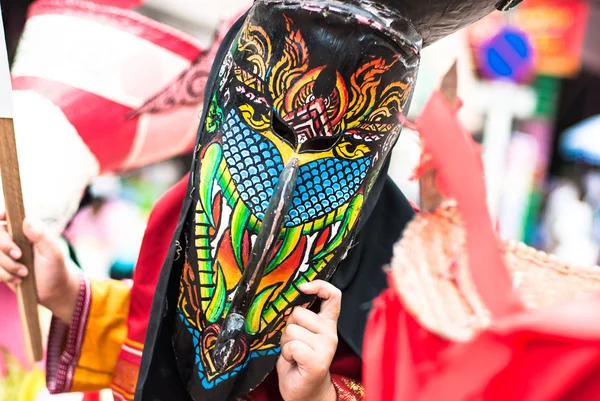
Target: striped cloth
99	89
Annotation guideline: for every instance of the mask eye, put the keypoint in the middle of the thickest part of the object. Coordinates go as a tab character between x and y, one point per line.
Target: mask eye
321	144
283	131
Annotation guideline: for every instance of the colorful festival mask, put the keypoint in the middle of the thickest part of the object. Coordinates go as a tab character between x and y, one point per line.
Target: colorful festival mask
302	118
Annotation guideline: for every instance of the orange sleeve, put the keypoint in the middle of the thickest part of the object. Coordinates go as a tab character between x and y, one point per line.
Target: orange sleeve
82	356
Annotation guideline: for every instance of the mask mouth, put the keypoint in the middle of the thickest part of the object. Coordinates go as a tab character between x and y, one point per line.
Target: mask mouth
260	256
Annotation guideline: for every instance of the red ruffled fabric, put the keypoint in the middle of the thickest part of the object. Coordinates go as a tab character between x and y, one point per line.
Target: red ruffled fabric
551	354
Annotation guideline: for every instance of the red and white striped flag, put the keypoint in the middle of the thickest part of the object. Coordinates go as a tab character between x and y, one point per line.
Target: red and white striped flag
84	76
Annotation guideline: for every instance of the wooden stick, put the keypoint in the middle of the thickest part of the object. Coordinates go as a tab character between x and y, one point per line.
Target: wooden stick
27	291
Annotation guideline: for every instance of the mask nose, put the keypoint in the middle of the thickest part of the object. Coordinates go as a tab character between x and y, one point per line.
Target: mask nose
271	227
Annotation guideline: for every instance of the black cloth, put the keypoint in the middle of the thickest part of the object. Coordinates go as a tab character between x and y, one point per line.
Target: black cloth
159	378
361	276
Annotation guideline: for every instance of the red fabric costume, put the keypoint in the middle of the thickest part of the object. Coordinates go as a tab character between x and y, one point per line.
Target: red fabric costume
482	344
67	370
103	345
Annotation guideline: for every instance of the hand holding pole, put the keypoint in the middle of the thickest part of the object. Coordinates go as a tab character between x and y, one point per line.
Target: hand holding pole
11	184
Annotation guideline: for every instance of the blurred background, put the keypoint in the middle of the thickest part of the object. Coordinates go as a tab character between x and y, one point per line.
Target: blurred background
530	84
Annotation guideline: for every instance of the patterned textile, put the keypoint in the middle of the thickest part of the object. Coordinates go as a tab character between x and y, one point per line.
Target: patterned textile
111	320
69	365
82	356
289	111
348	390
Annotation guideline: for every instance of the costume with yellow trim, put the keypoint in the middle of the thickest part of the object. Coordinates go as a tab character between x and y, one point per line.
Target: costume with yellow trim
110	316
314	125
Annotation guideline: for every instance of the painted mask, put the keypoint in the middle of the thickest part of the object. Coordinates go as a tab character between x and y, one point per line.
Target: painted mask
303	116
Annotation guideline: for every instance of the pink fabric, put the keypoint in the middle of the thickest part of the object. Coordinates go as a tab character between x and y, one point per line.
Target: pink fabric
459	175
116	136
11	337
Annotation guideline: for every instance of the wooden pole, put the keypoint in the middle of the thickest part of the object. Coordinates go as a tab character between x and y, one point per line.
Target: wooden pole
13	198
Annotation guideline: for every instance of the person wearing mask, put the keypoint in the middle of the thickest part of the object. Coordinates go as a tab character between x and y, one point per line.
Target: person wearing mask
287	201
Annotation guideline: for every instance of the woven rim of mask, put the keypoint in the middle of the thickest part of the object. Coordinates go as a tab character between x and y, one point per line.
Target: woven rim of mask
365	12
431	275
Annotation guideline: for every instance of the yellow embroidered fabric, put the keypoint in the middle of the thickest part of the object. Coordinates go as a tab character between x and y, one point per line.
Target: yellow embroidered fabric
103	336
348	390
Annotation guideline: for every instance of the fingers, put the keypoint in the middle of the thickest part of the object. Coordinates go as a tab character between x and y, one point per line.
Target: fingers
11	266
43	242
310	339
318	333
293	332
10	271
297	352
11	280
307	319
8	246
331	296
